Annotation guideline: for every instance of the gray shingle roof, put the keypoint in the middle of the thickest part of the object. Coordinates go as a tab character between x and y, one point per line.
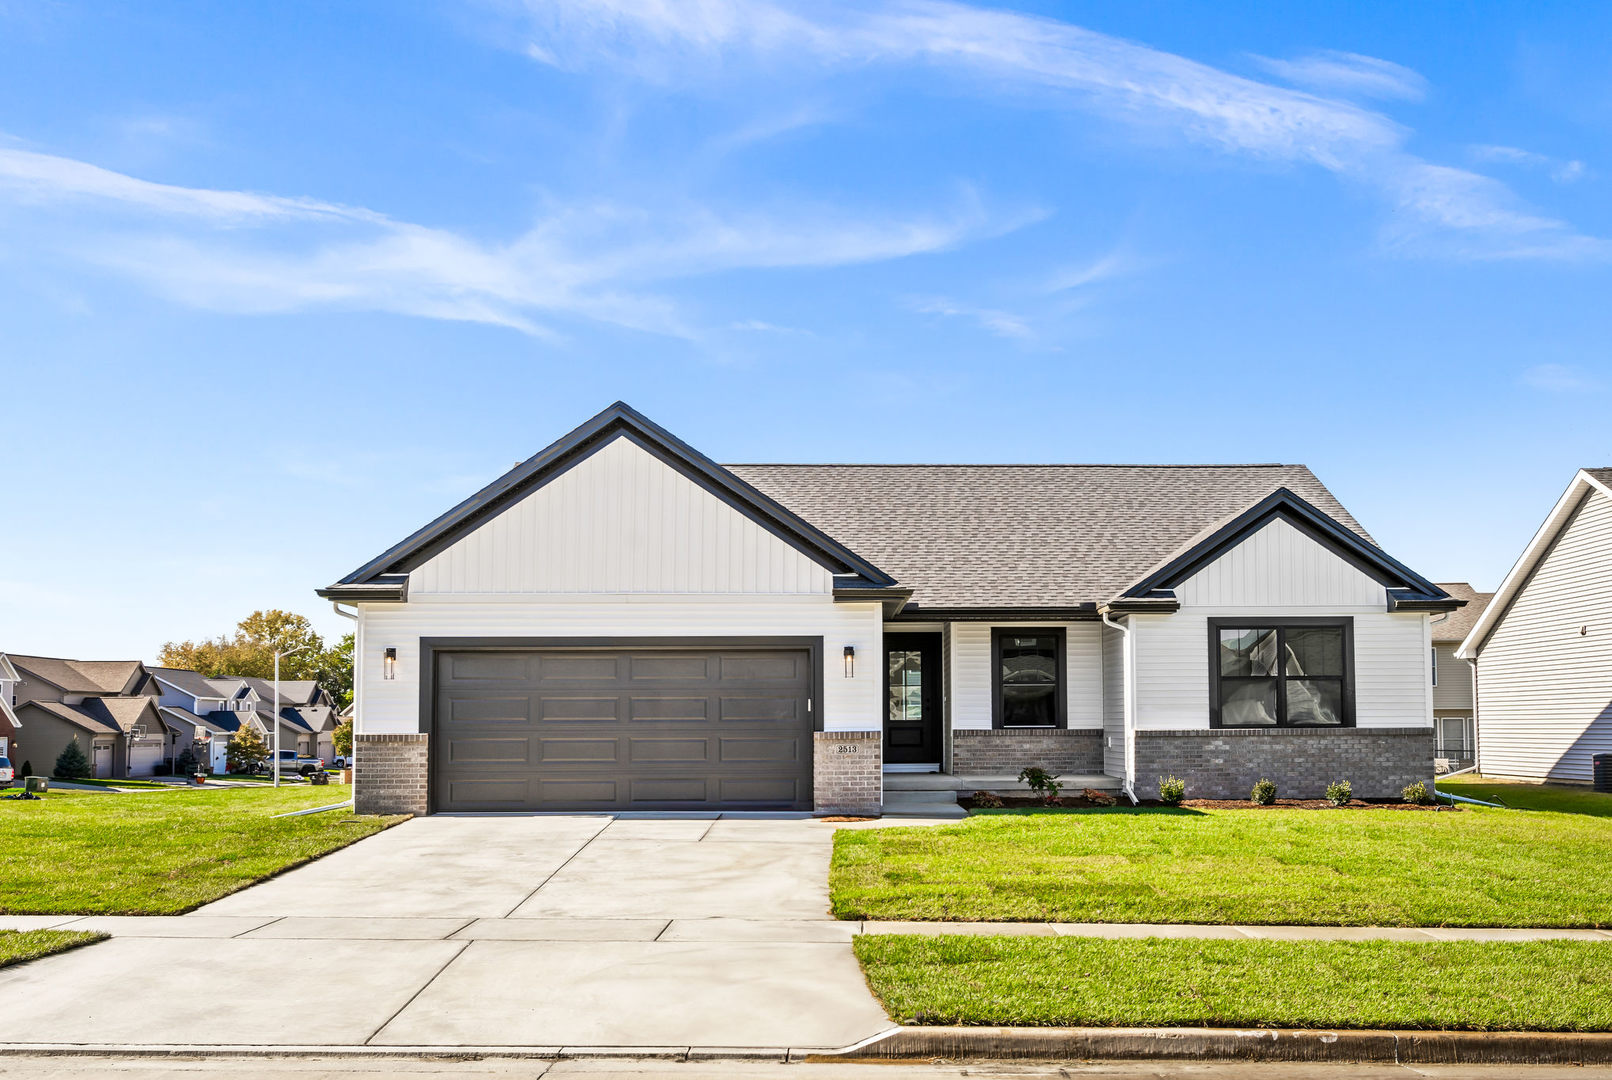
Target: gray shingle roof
73	714
1603	475
79	676
1030	536
1454	629
193	683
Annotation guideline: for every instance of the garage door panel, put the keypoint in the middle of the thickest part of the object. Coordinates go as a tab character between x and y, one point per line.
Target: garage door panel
463	751
669	708
490	710
578	750
579	668
623	728
680	751
643	668
578	708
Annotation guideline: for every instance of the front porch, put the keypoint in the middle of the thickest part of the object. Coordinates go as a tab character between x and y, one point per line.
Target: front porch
934	794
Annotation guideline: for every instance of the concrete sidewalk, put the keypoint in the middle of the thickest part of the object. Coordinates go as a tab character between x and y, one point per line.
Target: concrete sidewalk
713	929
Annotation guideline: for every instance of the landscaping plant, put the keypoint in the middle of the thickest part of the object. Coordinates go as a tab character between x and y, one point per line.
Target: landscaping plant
1340	793
71	764
27	770
1264	793
247	751
1416	794
1042	782
1172	789
987	800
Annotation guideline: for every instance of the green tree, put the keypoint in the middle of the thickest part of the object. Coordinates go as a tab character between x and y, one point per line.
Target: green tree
71	764
250	651
336	671
247	751
342	739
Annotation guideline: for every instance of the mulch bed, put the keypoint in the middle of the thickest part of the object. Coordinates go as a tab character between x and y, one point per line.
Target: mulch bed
1078	803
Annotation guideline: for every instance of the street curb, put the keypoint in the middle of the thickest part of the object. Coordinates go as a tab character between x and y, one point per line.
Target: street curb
1254	1044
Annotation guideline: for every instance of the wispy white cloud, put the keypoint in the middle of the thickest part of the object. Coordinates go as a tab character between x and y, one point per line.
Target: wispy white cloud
1563	172
1003	324
1349	74
248	252
1084	275
701	40
1559	378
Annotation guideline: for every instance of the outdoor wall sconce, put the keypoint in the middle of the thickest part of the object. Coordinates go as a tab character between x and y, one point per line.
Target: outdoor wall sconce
850	661
389	664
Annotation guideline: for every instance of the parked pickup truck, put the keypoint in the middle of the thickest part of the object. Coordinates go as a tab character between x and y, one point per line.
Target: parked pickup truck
293	762
7	773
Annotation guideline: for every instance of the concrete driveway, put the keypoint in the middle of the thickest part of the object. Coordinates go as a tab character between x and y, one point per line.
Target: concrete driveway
550	932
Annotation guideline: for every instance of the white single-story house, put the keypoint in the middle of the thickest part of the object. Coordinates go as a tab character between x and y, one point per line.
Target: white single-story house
621	623
1543	646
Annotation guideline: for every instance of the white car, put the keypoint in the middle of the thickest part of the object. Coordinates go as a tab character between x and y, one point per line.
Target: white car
8	775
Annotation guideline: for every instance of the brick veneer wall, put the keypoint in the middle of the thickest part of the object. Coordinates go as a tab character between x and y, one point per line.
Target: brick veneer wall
390	773
848	772
1004	751
1225	763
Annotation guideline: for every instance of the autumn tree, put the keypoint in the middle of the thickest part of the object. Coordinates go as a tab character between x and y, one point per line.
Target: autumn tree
249	653
246	751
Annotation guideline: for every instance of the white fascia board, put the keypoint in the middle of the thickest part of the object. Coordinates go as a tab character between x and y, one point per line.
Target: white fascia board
1583	482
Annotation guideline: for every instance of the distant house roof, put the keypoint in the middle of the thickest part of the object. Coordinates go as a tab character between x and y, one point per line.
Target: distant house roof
76	715
218	722
123	713
1462	620
80	676
189	682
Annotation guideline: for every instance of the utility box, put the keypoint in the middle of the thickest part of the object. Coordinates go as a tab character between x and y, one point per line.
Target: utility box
36	785
1601	772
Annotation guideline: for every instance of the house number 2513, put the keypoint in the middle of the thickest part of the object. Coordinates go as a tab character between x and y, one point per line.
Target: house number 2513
846	748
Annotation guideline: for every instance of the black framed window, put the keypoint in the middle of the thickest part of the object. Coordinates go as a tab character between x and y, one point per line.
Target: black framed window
1028	679
1281	673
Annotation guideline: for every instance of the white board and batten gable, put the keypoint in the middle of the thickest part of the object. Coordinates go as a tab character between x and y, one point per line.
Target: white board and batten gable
620	521
1281	571
619	545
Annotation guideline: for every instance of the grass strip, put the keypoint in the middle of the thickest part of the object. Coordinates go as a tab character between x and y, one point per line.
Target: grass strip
20	946
162	853
1473	867
1157	982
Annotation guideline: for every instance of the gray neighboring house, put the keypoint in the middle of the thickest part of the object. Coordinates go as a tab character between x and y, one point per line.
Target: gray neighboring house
620	622
210	710
1454	703
104	704
1543	646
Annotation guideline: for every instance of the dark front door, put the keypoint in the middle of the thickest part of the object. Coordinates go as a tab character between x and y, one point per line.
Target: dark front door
912	699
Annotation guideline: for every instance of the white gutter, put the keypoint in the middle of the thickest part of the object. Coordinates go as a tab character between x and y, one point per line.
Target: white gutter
1128	781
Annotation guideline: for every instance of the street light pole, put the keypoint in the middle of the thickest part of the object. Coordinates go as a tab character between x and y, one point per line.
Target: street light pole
277	655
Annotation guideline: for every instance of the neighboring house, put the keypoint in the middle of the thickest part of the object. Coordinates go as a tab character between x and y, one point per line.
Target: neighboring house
104	704
621	623
10	727
210	711
1454	703
1543	646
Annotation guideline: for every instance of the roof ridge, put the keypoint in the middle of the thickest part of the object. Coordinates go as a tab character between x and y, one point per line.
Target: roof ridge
1006	465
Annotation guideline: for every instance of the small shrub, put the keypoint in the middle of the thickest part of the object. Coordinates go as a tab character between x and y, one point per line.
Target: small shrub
1416	794
1172	789
1042	783
27	769
71	764
186	765
1099	798
987	800
1340	793
1264	792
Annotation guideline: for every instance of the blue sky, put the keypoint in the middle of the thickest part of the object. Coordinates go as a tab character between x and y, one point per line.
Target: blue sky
279	283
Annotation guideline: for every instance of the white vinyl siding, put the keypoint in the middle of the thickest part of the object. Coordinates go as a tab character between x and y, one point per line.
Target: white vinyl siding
1545	687
971	678
1280	572
393	705
1454	689
620	521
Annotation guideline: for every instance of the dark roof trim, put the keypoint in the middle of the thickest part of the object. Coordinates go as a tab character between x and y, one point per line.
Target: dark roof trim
1079	613
385	588
1348	545
622	420
1408	600
1162	602
893	599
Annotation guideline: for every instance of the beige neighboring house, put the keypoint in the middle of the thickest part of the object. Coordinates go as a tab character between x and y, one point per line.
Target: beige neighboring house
104	704
1543	645
1454	704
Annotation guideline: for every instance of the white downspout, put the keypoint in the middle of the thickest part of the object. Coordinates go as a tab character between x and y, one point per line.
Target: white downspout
1477	740
1128	683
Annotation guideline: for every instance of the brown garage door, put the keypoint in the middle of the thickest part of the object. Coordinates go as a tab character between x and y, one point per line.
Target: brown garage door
713	727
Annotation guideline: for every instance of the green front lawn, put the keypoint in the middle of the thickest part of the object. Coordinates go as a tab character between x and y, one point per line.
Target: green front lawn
1540	985
1473	867
20	946
1559	798
161	853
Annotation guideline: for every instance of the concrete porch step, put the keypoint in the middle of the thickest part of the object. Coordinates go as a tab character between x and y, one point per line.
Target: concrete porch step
923	804
1002	785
